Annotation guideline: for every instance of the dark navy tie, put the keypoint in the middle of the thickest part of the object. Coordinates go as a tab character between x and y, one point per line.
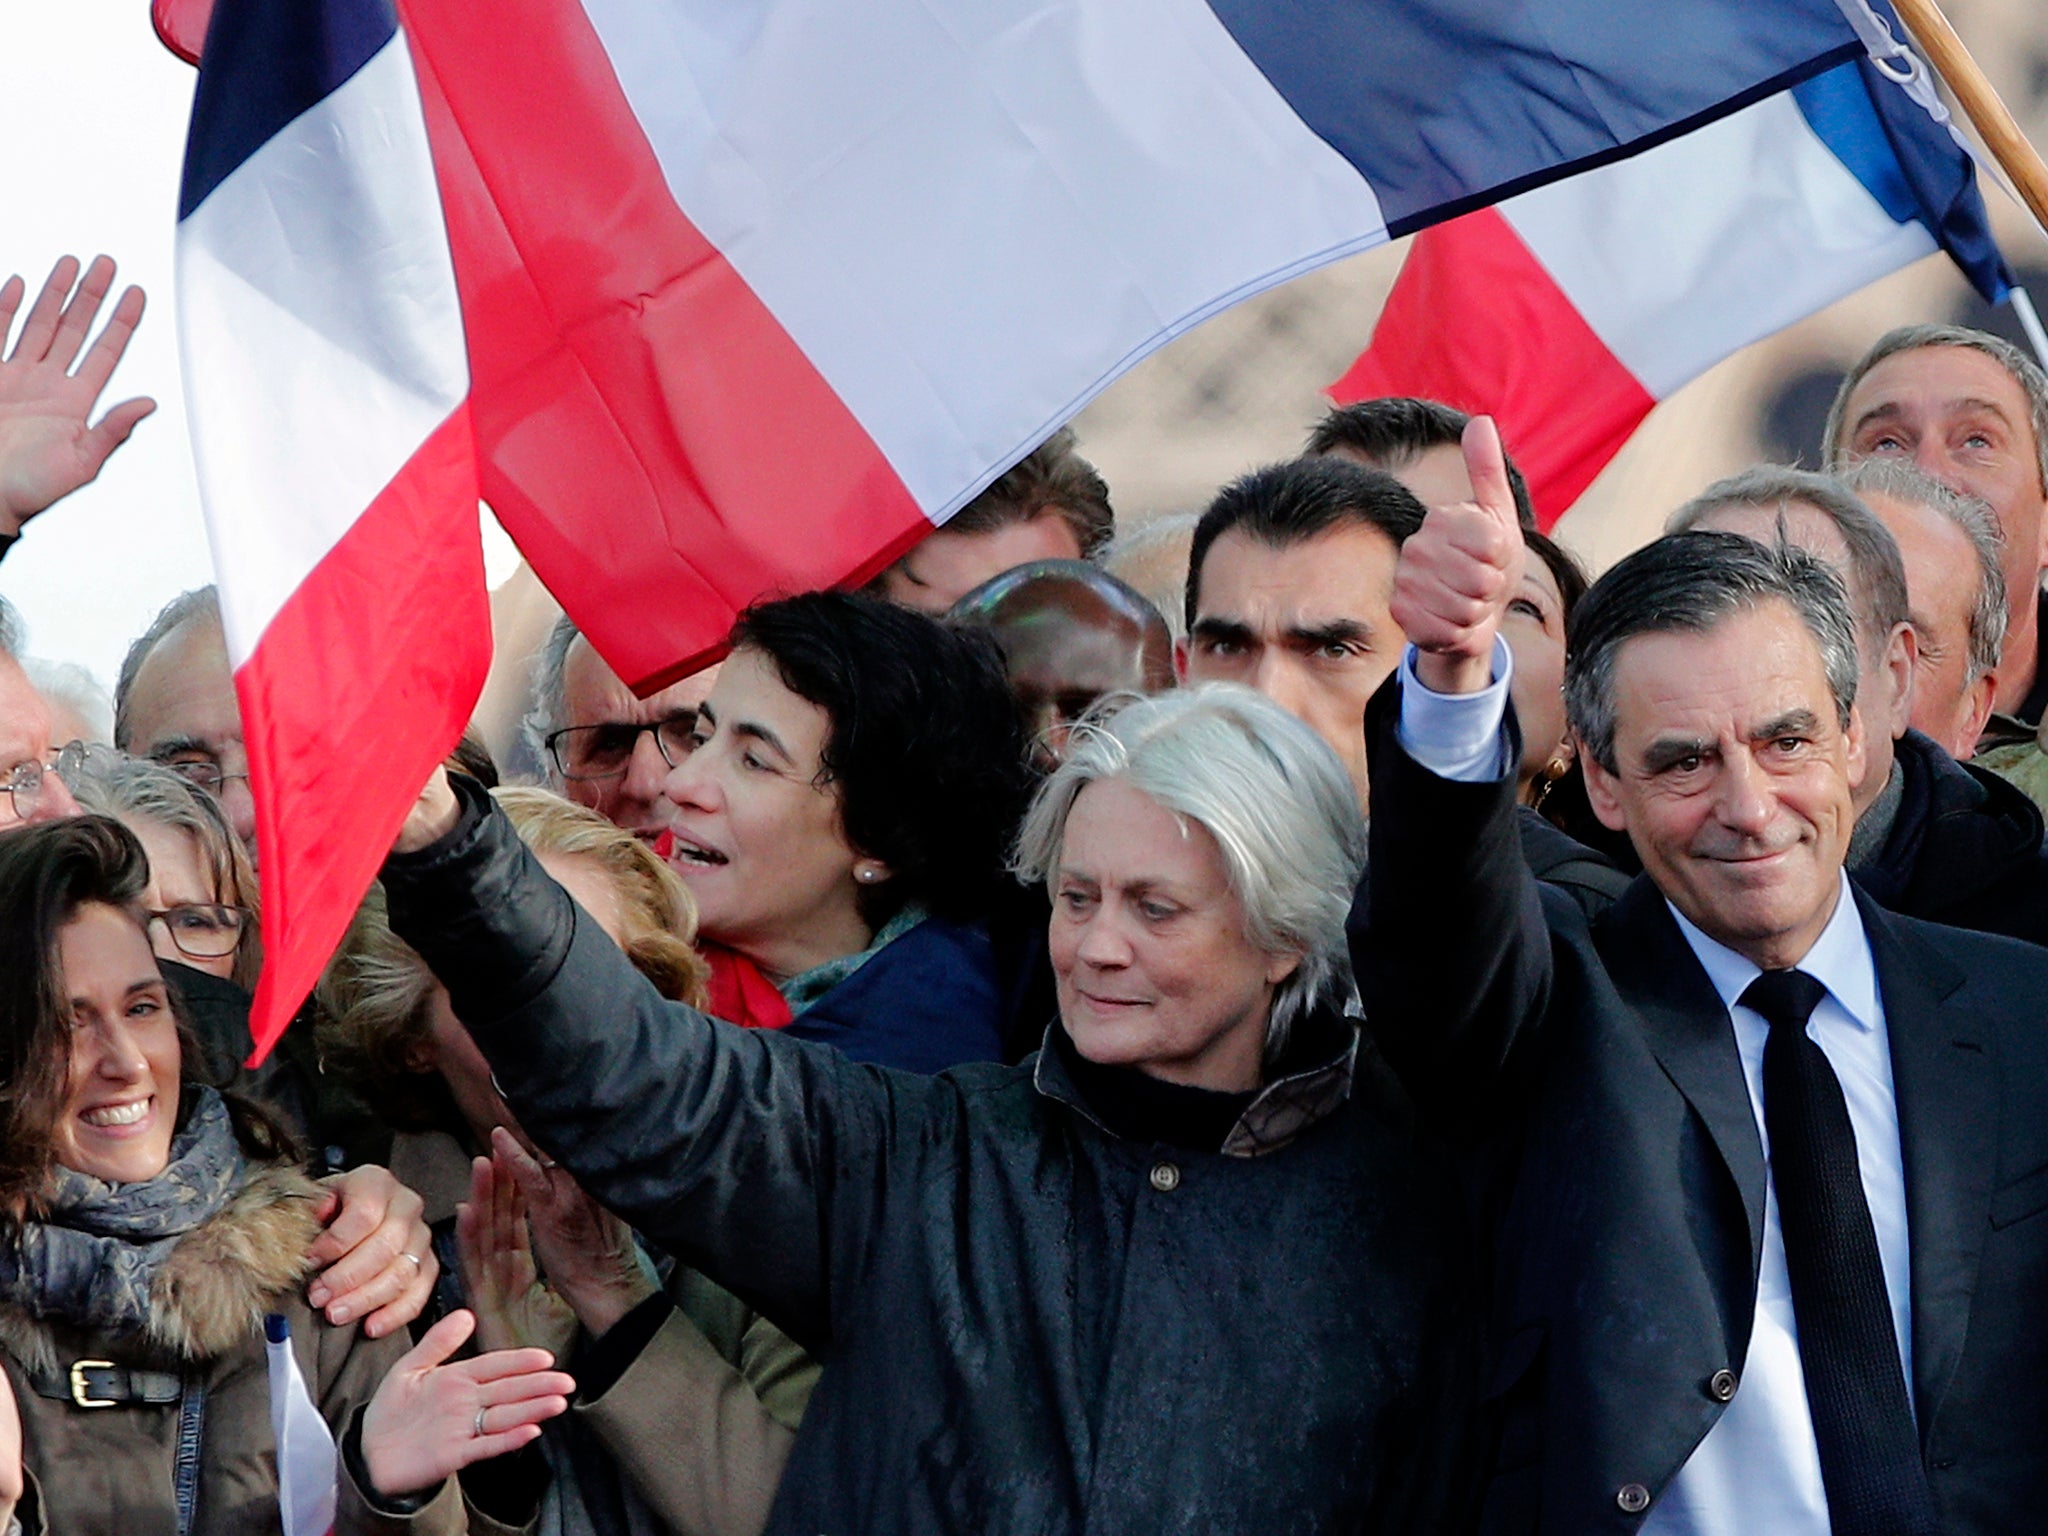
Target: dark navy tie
1855	1385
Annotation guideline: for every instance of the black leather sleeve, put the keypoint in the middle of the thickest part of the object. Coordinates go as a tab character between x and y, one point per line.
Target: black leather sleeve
757	1159
1448	935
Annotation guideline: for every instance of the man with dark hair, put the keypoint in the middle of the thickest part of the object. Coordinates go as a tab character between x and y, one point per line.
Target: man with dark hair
1049	505
1762	1151
1971	410
1770	503
1289	579
1415	441
1934	839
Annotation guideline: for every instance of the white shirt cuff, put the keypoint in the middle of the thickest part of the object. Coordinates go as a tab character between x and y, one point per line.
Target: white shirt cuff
1458	736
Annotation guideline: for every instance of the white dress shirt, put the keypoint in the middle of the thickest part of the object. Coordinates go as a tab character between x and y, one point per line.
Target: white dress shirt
1758	1469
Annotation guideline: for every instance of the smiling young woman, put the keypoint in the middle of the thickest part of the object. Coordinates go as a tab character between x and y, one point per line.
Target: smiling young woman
153	1229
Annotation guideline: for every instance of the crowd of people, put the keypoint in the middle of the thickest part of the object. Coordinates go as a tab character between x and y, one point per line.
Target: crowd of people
1310	1016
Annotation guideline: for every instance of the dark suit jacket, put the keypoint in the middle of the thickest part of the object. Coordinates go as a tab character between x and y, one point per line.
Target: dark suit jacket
1591	1072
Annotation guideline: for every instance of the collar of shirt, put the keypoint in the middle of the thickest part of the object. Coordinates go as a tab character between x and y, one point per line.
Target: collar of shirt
1839	960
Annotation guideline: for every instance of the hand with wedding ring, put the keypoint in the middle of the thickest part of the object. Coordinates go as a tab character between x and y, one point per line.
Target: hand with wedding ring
429	1418
376	1259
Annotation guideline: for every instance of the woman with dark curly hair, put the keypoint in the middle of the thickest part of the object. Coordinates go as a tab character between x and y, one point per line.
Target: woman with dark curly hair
842	820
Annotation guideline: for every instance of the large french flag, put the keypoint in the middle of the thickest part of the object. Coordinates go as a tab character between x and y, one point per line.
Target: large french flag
1567	313
756	292
327	380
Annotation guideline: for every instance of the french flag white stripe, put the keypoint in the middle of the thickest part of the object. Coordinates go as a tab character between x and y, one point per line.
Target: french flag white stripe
1131	168
307	1462
1698	247
281	322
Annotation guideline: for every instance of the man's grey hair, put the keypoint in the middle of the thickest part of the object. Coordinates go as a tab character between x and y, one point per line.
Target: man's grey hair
2022	369
1990	610
69	684
1688	583
1269	791
549	711
200	603
1877	574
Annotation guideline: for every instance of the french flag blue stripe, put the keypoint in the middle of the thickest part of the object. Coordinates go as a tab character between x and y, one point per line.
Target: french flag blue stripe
1429	99
266	64
1909	163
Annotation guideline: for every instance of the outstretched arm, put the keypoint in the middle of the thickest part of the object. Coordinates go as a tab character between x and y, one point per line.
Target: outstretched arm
1448	940
47	448
760	1160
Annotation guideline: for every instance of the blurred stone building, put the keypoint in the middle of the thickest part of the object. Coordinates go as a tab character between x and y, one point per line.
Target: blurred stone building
1242	389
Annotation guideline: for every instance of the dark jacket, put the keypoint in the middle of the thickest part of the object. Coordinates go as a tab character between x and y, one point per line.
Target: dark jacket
1964	848
1027	1324
925	1002
1557	858
1594	1074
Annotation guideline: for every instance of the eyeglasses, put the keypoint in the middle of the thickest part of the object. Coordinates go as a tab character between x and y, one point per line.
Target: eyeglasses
202	930
201	774
603	751
25	780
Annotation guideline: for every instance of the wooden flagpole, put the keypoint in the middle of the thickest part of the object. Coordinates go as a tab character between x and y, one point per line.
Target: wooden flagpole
1944	50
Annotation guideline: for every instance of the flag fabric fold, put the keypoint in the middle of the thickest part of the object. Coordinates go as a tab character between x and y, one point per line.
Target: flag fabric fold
757	295
308	1465
326	378
1567	313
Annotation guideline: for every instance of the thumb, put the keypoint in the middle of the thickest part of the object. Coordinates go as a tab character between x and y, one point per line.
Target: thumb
1486	465
528	1176
441	1341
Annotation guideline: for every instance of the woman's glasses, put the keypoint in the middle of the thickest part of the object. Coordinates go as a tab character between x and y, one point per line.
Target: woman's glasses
202	930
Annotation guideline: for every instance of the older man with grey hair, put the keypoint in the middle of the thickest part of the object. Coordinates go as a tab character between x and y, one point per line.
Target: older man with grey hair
1955	592
598	744
1934	838
1971	410
174	703
1753	1139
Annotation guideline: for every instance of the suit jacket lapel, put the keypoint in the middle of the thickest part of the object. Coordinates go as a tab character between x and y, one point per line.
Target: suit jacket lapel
1946	1086
1687	1028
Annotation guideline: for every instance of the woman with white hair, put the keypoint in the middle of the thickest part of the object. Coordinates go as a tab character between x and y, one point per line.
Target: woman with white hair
1184	1270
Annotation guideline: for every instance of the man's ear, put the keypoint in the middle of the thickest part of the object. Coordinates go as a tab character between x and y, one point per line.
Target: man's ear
1977	702
1603	793
1180	660
1856	743
1901	661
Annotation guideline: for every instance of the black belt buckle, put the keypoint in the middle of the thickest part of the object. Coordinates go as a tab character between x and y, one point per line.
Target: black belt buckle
79	1388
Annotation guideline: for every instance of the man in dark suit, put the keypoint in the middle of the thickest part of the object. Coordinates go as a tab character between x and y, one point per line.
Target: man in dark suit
1768	1166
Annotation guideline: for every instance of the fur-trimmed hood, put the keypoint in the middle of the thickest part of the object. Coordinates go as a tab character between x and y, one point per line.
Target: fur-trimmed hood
210	1295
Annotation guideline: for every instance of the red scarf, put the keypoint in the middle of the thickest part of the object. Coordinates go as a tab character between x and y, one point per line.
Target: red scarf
740	993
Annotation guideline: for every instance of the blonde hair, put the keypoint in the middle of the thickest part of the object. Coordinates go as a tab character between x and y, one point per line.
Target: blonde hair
374	996
657	911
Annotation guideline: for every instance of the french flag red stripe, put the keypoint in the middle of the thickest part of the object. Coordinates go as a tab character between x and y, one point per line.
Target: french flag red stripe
1475	321
649	434
359	686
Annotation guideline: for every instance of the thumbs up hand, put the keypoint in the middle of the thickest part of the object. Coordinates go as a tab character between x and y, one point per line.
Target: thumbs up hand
1458	573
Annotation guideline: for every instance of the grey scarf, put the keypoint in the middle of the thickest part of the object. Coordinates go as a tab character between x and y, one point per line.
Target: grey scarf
91	1259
